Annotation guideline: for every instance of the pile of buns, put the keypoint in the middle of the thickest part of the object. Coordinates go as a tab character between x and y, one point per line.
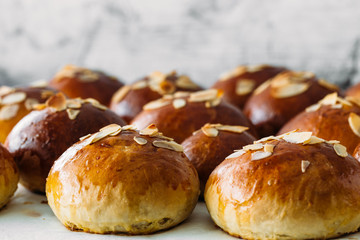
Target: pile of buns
274	153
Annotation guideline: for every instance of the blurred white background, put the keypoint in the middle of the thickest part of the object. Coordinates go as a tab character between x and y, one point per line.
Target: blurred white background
201	38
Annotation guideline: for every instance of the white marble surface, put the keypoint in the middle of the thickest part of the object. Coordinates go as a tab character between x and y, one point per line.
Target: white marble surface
202	38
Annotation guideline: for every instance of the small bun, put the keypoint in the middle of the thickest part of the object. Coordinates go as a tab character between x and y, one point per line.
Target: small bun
16	103
294	186
353	91
239	83
9	176
209	146
278	100
85	83
331	118
122	180
179	115
42	136
128	101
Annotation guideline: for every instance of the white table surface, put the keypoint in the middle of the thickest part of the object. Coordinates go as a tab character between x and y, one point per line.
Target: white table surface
27	216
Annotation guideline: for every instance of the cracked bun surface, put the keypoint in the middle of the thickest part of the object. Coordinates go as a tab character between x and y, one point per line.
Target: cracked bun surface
42	136
180	114
294	186
84	83
120	180
129	100
9	176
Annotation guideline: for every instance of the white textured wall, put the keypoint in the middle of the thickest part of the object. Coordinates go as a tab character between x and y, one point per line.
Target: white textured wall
202	37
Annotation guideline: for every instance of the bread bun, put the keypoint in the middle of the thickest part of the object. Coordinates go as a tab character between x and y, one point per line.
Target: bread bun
278	100
239	83
15	103
295	186
85	83
9	176
209	146
331	118
353	91
128	101
122	180
179	115
42	136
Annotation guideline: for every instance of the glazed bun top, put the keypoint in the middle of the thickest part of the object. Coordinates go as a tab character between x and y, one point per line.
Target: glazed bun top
279	99
15	103
180	114
128	101
331	118
353	91
293	186
239	83
84	83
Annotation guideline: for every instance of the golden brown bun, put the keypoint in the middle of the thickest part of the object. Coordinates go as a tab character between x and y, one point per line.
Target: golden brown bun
205	151
180	123
42	136
9	176
275	102
118	185
300	191
329	121
15	103
84	83
353	91
128	101
239	83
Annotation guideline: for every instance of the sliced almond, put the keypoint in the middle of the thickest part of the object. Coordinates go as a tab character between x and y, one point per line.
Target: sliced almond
12	98
8	112
185	82
267	139
160	135
30	103
244	86
46	94
337	106
260	155
73	103
84	137
304	165
340	150
95	103
115	133
57	102
171	145
129	128
210	131
139	85
150	130
213	103
72	113
329	99
353	100
354	122
179	103
297	137
40	106
97	137
205	95
157	76
344	101
4	90
280	81
255	146
313	108
236	154
140	140
87	76
256	68
121	93
333	141
269	147
290	90
233	73
165	87
181	94
110	128
314	140
328	85
262	87
231	128
156	104
39	84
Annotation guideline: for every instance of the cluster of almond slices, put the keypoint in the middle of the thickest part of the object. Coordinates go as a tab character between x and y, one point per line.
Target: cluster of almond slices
260	149
151	131
212	130
211	97
71	71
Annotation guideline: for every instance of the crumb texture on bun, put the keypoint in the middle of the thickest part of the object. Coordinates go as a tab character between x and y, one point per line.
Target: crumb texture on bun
293	186
121	180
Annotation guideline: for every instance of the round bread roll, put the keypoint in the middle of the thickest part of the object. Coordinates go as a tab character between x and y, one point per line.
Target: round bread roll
15	103
239	83
294	186
179	115
331	118
9	176
42	136
85	83
123	180
128	101
354	91
209	146
277	100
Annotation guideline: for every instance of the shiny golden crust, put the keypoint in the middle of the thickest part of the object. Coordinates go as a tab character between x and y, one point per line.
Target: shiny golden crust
269	113
10	114
301	191
180	123
206	152
328	122
84	83
118	185
9	176
229	83
42	136
129	101
354	91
